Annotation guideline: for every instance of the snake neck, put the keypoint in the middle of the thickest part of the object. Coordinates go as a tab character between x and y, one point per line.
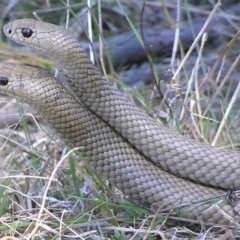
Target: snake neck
85	79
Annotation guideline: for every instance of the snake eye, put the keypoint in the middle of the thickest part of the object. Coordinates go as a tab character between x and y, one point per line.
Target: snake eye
27	32
3	81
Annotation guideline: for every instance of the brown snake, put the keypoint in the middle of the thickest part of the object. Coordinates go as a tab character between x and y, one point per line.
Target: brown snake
117	126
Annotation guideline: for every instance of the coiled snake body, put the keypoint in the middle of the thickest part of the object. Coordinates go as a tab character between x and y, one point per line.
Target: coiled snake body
122	142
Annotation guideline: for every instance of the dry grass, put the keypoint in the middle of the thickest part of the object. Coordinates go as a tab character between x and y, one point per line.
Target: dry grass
47	192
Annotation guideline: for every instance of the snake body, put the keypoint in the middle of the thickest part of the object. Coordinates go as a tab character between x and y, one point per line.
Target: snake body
104	148
132	127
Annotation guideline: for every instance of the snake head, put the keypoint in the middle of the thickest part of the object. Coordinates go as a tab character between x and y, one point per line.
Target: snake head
38	35
29	32
22	82
15	80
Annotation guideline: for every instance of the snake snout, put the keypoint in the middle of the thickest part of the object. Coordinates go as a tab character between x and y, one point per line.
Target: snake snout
7	29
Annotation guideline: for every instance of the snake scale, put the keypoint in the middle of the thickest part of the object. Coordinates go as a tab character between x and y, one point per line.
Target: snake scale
136	153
